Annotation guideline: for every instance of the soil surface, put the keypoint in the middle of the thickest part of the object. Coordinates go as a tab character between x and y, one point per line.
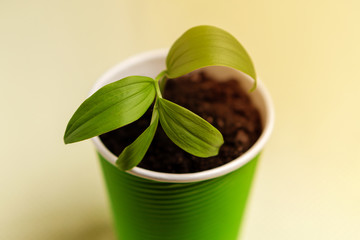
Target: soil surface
224	104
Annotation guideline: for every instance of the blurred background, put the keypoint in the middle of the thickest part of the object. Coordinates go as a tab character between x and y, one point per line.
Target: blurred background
306	52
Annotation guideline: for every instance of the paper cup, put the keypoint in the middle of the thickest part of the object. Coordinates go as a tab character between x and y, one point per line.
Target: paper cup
206	205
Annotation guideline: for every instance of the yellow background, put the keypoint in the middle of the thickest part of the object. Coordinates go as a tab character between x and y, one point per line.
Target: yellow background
306	52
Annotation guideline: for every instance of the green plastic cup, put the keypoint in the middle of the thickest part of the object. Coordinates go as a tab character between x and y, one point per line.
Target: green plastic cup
207	205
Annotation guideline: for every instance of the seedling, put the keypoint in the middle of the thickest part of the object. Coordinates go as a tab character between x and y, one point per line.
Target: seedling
126	100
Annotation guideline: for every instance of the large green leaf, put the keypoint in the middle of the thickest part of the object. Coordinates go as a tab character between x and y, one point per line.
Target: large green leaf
203	46
111	107
134	153
189	131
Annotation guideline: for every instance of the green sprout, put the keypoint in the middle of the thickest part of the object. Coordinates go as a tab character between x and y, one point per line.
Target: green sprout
126	100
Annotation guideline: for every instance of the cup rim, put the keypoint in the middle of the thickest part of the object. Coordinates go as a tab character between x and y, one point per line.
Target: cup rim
187	177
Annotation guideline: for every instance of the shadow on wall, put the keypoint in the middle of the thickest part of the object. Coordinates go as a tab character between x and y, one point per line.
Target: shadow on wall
96	231
70	224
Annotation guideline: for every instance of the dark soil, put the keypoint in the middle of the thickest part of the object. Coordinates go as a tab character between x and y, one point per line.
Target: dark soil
224	104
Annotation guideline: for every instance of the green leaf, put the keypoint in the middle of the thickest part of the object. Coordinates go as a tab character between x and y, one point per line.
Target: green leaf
189	131
135	152
203	46
111	107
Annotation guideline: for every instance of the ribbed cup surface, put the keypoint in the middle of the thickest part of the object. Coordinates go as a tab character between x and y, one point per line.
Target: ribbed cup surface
206	210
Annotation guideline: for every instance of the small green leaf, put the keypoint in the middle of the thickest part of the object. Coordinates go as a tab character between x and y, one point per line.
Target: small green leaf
111	107
203	46
189	131
135	152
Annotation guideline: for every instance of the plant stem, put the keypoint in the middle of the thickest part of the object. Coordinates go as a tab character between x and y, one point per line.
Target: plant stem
157	89
160	82
155	112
